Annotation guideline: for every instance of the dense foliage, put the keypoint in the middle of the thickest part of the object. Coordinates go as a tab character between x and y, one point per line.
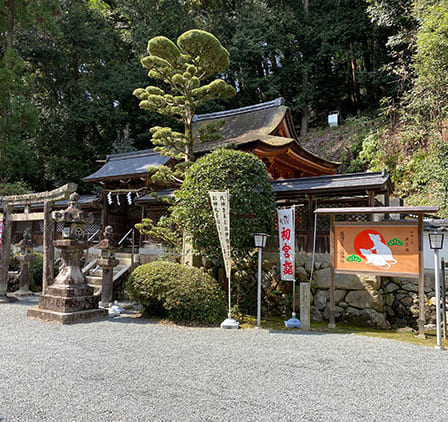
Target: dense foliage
178	292
68	69
251	201
412	147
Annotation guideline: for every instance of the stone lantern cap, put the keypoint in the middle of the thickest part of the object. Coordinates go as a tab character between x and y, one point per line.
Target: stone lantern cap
108	242
27	241
73	213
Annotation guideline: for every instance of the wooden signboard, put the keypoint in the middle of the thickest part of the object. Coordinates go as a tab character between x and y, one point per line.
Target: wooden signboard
384	249
409	256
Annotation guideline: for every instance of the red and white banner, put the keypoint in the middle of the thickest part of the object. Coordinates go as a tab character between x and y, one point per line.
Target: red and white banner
287	241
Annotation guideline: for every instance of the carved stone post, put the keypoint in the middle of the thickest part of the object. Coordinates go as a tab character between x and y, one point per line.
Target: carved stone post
48	264
107	262
25	258
6	251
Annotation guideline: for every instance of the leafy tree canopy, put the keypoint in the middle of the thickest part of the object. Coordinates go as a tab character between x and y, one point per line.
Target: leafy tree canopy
251	201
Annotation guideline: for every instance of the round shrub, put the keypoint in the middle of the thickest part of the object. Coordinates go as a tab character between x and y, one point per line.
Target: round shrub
251	201
178	292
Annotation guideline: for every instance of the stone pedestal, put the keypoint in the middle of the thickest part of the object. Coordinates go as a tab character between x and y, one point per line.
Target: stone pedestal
107	284
107	262
25	277
69	299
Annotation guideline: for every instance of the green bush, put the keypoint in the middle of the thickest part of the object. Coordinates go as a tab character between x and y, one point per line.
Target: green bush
36	268
178	292
252	202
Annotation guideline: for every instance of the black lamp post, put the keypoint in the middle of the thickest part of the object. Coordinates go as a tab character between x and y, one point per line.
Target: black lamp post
260	243
436	243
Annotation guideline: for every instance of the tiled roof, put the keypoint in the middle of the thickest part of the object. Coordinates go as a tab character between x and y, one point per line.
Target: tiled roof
350	184
129	164
244	125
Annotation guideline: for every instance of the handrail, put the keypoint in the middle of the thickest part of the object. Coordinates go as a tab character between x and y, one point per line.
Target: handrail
131	230
125	236
87	268
93	235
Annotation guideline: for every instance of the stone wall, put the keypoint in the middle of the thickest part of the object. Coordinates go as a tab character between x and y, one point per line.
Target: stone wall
379	302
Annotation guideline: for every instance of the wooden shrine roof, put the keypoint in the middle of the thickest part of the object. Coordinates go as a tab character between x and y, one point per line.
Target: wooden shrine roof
267	130
130	164
338	184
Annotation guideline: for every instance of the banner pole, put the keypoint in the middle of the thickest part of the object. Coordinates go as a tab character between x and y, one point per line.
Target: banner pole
287	256
220	202
230	300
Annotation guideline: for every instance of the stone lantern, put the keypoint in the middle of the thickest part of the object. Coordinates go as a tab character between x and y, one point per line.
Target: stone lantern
70	299
107	261
25	258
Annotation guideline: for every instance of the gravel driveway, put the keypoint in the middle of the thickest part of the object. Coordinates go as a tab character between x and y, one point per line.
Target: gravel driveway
127	369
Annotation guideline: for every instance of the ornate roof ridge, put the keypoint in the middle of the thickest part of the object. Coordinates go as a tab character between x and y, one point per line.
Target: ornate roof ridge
226	113
369	174
131	154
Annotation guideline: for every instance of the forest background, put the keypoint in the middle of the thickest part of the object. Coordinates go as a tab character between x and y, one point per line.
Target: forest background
68	69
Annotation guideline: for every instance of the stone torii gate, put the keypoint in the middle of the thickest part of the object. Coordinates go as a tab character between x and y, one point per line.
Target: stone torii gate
9	216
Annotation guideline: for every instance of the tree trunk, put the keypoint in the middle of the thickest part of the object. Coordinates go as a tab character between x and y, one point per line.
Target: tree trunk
305	81
10	5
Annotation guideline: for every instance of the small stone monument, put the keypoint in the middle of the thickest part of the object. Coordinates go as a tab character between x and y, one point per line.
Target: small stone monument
107	261
25	258
69	299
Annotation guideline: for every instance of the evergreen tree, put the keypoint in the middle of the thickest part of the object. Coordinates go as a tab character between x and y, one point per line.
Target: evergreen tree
18	115
84	77
186	69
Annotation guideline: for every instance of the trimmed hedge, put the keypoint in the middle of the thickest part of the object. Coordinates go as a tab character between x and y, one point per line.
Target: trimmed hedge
177	292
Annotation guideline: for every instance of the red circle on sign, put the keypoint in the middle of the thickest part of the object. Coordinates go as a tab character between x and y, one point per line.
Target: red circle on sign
363	241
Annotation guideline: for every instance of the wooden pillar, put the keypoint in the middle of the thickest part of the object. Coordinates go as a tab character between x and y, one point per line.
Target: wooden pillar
332	321
371	194
140	242
6	249
310	223
421	280
48	260
104	211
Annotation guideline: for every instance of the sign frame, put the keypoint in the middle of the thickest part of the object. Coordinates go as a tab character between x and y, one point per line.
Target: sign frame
415	211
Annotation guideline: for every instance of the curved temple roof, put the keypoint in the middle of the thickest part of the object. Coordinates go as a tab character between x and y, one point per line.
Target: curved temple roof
129	164
266	129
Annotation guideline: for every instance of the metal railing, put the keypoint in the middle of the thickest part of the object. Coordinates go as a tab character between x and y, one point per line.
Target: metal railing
132	230
93	235
125	236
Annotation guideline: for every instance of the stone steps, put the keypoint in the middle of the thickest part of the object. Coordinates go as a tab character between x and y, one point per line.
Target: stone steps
94	273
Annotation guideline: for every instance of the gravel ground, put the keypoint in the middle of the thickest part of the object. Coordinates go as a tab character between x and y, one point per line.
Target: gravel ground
127	369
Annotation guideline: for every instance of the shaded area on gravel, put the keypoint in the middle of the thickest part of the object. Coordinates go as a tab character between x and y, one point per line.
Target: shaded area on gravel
127	369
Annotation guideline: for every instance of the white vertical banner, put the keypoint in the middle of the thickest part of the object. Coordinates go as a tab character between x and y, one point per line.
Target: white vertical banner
286	236
221	210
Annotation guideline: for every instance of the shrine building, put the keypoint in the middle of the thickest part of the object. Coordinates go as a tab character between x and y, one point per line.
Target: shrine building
266	130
